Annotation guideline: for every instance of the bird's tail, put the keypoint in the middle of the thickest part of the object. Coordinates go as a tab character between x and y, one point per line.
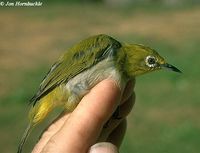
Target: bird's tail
36	115
24	137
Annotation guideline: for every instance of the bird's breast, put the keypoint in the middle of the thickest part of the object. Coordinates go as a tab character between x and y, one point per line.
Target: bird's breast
83	82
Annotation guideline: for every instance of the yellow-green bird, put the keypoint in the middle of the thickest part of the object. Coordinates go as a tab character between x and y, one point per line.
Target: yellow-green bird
83	66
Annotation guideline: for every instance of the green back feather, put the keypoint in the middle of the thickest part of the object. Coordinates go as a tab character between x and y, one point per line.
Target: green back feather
77	59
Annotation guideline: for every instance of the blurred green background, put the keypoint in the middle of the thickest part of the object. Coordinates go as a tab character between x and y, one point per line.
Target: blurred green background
166	116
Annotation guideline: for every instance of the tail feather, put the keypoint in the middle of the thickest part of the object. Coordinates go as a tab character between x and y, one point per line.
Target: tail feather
38	113
24	137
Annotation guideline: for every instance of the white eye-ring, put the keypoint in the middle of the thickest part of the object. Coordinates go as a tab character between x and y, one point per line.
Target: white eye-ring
150	61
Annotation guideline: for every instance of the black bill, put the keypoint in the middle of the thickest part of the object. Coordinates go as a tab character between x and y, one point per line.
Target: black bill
170	67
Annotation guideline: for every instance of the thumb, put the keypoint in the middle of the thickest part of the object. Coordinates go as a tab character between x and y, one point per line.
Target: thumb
103	147
83	127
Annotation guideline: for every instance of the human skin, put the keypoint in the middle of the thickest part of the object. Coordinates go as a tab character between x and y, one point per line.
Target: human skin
91	122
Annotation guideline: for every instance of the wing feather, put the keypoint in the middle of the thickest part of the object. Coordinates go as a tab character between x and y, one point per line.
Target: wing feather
77	59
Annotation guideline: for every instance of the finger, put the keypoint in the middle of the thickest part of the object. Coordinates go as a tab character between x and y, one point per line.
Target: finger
51	130
127	106
112	123
87	120
128	91
117	135
103	147
58	121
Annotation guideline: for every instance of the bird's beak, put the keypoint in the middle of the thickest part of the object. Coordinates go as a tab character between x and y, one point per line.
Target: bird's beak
170	67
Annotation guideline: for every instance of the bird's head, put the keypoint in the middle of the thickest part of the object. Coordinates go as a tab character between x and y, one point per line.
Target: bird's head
141	59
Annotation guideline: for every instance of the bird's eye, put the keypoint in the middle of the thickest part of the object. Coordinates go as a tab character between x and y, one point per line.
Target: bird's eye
150	61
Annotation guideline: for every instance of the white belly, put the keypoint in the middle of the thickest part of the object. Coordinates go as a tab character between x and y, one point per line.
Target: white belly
83	82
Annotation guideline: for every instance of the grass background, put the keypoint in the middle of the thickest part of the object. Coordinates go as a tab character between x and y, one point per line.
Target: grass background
166	114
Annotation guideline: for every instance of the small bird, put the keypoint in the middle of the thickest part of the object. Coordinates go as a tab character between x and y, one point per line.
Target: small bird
82	67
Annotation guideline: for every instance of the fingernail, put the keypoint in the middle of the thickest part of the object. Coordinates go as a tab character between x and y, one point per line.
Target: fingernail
103	147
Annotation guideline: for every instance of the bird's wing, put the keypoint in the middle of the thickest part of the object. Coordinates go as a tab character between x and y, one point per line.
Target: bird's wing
77	59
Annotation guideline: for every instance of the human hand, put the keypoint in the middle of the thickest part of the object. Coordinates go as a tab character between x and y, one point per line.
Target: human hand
77	131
